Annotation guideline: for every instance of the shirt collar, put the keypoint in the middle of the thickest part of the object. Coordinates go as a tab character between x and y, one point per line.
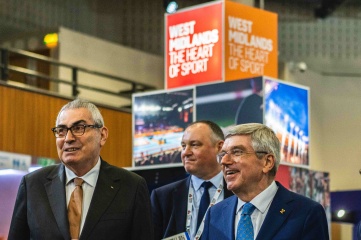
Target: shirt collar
262	200
216	180
90	177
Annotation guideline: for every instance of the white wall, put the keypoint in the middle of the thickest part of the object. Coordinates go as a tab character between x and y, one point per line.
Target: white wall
335	126
103	56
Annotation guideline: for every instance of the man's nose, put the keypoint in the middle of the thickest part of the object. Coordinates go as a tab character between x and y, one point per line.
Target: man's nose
69	136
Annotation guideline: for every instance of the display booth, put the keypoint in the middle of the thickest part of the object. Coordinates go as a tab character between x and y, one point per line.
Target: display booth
160	118
221	65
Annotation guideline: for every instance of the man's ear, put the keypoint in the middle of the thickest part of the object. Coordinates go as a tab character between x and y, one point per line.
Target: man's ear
103	135
269	163
220	145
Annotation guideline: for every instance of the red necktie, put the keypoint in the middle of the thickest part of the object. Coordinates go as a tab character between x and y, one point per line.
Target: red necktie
74	209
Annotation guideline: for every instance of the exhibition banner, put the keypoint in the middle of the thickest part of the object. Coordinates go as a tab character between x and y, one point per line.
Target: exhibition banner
159	120
160	117
287	112
309	183
251	42
14	161
231	103
193	41
217	42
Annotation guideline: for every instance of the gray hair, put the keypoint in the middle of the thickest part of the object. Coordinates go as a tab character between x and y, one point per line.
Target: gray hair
80	103
263	138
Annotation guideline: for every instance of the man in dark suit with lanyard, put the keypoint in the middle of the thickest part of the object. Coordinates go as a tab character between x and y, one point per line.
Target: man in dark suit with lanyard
176	206
108	203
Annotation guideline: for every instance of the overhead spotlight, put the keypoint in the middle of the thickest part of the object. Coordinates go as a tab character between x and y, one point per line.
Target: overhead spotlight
170	6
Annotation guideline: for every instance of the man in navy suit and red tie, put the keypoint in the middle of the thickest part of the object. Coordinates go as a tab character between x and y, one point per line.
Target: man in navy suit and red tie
250	157
176	206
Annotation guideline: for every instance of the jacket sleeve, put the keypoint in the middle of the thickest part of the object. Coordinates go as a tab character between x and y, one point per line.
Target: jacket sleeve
19	228
142	221
316	225
157	216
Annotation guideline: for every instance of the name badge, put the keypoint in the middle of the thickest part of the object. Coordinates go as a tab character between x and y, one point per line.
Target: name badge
181	236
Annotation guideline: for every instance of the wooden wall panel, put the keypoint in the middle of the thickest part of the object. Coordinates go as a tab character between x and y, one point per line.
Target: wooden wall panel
118	148
27	117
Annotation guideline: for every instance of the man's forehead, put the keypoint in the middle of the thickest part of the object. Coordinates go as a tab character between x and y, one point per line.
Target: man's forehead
197	129
194	133
237	140
74	115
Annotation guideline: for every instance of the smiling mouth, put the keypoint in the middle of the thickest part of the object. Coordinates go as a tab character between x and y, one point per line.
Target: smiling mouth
230	172
71	149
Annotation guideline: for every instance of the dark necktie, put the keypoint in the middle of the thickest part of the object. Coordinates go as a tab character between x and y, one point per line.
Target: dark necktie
245	226
74	209
205	201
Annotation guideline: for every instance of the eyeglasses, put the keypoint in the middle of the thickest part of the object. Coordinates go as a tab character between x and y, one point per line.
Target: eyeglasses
76	130
236	153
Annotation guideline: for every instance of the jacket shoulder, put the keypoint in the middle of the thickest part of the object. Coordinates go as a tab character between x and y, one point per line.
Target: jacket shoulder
119	173
174	185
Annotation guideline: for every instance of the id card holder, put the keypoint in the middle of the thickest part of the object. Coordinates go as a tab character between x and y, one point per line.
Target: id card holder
180	236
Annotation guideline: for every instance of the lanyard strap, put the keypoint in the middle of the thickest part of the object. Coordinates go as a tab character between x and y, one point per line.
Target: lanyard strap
189	209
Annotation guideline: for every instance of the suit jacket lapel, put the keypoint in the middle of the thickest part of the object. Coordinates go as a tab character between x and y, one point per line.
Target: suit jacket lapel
105	190
55	189
277	214
228	221
180	200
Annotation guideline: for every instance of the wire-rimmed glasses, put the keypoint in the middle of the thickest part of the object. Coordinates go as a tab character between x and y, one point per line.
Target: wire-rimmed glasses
235	153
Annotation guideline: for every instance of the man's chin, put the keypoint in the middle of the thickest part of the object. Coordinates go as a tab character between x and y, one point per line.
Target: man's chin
189	169
69	161
230	185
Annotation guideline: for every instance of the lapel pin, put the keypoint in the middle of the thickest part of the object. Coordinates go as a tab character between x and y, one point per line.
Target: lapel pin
282	211
111	187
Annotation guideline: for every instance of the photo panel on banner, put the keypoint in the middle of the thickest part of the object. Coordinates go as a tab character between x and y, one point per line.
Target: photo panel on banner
231	103
286	111
311	184
159	120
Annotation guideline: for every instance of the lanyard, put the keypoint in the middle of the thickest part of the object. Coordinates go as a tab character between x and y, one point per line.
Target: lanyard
189	209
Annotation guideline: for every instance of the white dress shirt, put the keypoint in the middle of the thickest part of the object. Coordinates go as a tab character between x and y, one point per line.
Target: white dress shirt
198	192
262	202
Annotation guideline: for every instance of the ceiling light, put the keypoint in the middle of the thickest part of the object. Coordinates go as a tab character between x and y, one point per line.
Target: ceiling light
170	6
